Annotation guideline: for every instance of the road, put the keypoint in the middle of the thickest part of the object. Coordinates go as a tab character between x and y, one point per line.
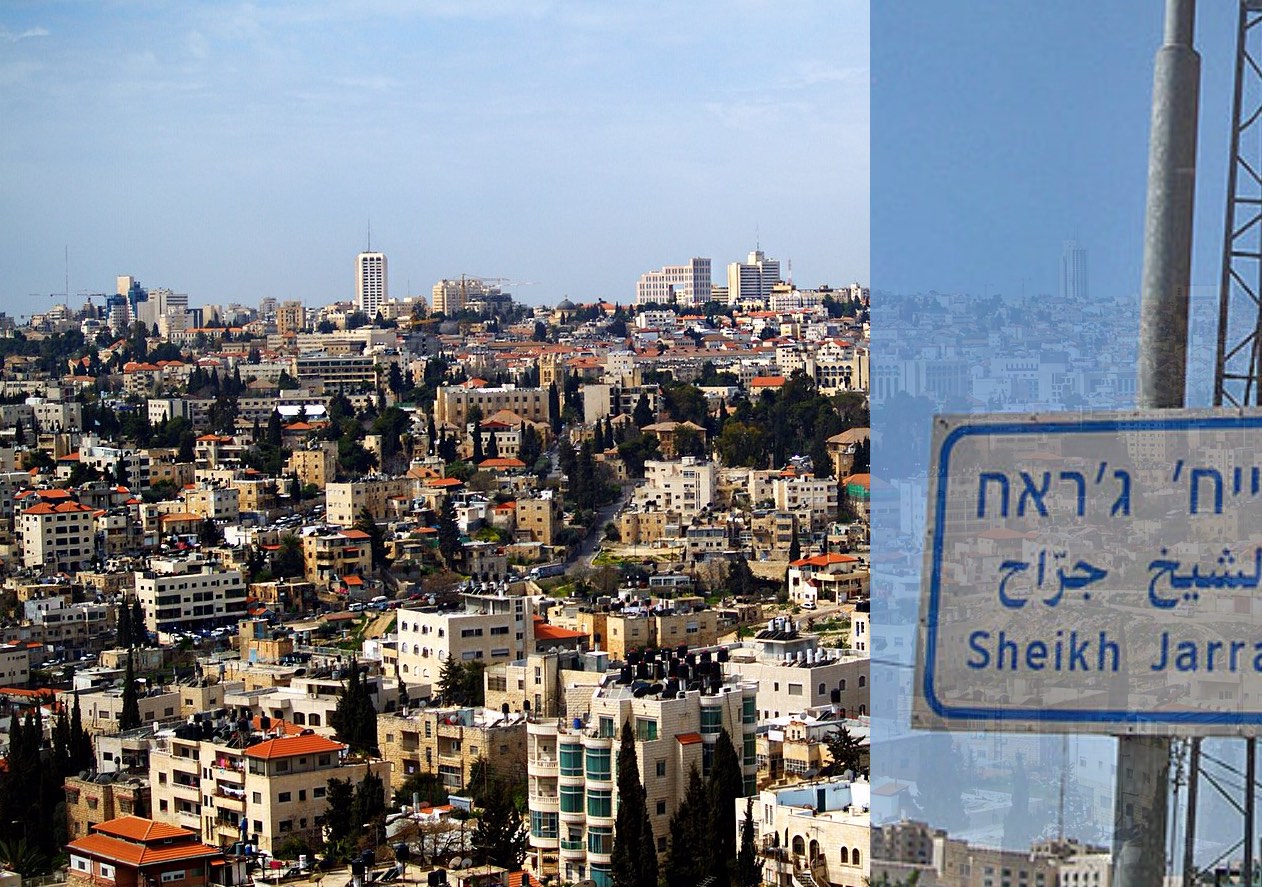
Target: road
590	546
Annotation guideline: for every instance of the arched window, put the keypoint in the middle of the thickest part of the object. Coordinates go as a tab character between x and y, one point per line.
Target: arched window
300	720
814	849
845	856
854	857
863	710
841	684
416	649
799	846
863	680
405	668
313	721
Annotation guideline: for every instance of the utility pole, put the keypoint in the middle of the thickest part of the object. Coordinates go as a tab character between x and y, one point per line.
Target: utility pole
1143	762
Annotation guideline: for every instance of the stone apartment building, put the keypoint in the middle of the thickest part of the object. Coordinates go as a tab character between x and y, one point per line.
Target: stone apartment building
538	519
315	463
449	741
638	628
90	802
899	849
572	788
277	784
827	577
343	501
684	485
57	536
489	627
813	499
329	555
545	684
453	403
814	832
189	593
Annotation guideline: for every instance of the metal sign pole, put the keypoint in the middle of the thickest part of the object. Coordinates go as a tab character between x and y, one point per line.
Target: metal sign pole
1143	762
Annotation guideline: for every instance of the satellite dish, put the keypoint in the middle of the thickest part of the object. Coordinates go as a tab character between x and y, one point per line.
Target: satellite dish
468	864
455	862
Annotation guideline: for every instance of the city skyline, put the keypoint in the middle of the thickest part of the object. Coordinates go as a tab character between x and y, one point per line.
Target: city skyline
240	153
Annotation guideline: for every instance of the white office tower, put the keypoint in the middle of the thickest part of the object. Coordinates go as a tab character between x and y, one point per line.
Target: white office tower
753	278
676	284
370	282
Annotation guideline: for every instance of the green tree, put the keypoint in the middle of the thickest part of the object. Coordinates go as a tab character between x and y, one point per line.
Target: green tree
354	720
847	753
500	837
686	866
448	533
338	818
366	523
129	718
634	859
748	869
724	786
642	414
289	559
123	636
795	545
209	533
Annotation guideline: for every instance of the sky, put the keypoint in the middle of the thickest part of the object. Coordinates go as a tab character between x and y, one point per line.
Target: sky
236	151
1003	132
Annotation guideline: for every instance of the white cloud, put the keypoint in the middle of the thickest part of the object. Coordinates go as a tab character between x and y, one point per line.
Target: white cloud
9	37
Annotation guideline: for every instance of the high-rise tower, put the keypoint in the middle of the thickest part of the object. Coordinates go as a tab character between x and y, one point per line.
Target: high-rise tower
1073	272
370	282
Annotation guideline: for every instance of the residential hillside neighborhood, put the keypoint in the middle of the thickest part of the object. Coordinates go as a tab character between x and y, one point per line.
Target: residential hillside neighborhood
453	589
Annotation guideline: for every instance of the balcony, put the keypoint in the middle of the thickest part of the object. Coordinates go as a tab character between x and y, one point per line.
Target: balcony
544	802
574	850
541	766
230	798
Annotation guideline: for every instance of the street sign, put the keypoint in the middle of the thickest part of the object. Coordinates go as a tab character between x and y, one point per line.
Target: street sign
1094	573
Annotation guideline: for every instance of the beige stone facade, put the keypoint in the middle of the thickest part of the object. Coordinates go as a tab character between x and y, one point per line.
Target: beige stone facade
90	803
448	741
343	501
538	520
316	464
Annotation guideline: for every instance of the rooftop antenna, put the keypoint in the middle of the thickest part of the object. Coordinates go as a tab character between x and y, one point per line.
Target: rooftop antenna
369	235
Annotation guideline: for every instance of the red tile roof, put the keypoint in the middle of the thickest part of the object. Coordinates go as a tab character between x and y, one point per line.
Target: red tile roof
546	631
688	738
823	560
291	746
140	855
135	828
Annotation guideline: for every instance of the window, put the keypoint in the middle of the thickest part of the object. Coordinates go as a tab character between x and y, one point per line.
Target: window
318	792
302	794
661	808
283	798
795	689
287	825
598	763
543	825
571	798
599	839
606	727
660	767
749	711
600	802
80	863
168	877
711	719
571	760
256	798
645	729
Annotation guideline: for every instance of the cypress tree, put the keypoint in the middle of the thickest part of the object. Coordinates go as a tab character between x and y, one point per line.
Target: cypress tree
500	837
139	633
80	740
725	785
634	859
554	407
685	865
478	455
130	718
748	869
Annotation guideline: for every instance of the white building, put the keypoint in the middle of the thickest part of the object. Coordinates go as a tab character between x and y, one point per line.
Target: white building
189	593
678	284
57	537
682	485
490	628
371	287
818	827
572	779
753	278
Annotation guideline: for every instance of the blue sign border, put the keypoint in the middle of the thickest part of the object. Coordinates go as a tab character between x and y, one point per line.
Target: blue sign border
1083	425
